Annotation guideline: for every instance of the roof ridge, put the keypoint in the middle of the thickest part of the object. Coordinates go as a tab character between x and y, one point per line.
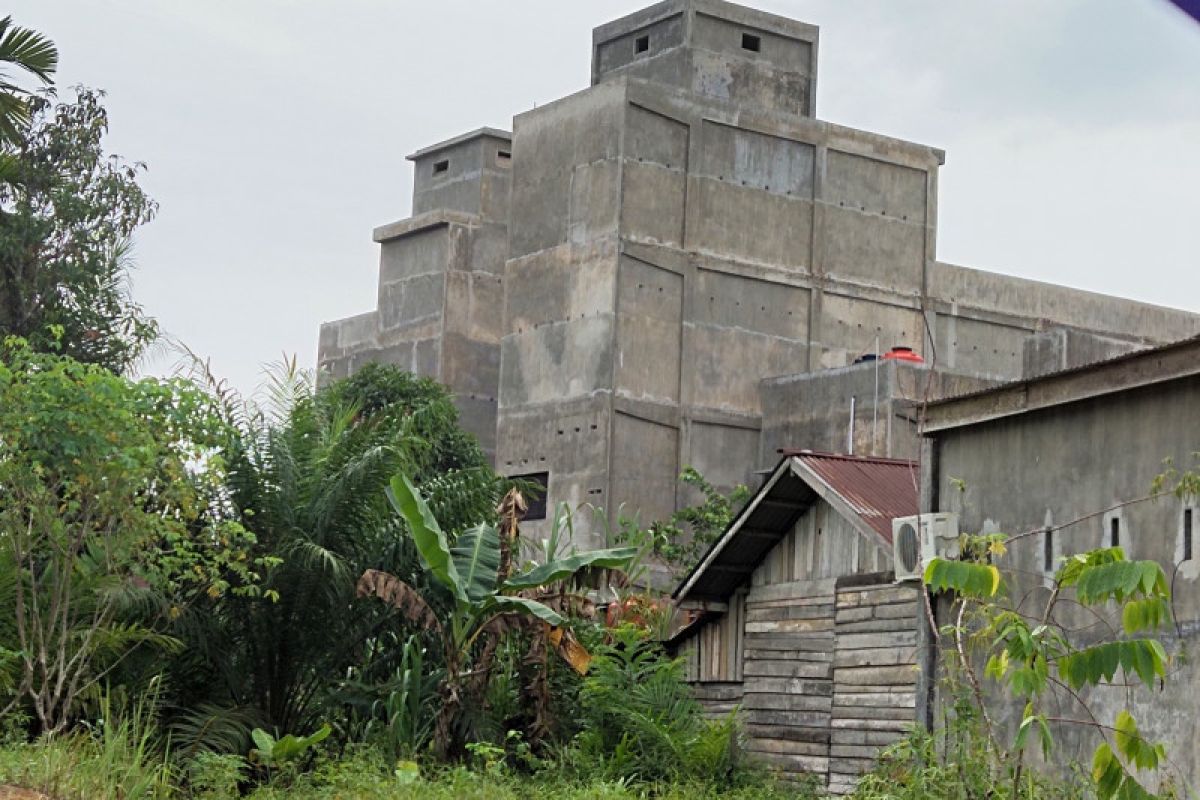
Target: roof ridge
789	452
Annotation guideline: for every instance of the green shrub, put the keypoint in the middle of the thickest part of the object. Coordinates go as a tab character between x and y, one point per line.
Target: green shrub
641	723
215	775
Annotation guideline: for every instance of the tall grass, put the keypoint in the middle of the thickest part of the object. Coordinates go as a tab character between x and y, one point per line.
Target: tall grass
117	758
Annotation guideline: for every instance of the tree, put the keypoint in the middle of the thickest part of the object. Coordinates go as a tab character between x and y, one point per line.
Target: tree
1034	659
28	51
307	472
473	599
684	539
106	522
66	218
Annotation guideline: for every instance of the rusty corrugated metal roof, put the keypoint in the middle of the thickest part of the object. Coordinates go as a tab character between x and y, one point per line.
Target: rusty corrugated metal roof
874	490
878	489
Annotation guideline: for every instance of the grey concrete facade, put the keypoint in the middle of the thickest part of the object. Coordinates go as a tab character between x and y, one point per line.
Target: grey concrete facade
666	239
441	280
1081	448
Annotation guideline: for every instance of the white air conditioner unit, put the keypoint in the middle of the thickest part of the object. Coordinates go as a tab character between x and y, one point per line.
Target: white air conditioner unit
916	540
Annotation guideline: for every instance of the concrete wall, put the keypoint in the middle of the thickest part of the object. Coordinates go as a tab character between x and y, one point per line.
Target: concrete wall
665	256
440	307
714	49
657	244
1059	464
812	410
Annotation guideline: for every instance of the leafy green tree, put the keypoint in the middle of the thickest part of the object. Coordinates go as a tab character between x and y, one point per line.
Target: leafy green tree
307	472
106	527
30	52
1033	658
473	599
66	218
686	536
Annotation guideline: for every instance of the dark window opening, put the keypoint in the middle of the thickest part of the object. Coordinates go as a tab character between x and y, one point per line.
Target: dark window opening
441	166
503	155
641	44
1187	534
751	42
1115	532
1048	552
535	494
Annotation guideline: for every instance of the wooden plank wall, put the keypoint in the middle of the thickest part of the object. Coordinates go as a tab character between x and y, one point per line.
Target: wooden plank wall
819	650
788	663
874	674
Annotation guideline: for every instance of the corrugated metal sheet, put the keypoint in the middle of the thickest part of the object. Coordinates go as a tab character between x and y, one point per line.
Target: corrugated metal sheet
878	489
875	489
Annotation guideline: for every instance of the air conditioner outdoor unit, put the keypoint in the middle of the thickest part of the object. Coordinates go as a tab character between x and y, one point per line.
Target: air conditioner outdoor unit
916	540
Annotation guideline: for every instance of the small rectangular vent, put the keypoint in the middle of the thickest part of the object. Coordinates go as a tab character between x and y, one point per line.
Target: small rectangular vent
440	167
641	44
751	42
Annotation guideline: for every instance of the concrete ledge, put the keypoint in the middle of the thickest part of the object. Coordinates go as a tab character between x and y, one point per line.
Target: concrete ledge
422	222
1133	371
478	133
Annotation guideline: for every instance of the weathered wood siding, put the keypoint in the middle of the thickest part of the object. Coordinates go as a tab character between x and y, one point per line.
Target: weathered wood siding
874	675
788	687
819	650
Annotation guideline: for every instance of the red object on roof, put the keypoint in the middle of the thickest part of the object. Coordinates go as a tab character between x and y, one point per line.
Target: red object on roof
878	489
903	354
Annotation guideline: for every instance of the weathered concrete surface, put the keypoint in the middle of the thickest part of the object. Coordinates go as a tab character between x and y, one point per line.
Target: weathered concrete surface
1081	443
440	310
714	49
812	410
641	254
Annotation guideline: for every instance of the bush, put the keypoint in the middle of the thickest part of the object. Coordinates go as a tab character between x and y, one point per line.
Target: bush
641	723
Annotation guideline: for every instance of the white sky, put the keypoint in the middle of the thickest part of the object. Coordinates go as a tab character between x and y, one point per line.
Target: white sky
275	133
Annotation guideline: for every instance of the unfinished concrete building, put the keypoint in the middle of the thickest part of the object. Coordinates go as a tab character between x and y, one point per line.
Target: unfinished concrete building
606	290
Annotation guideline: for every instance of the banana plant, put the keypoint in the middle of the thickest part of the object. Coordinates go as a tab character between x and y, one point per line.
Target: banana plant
484	600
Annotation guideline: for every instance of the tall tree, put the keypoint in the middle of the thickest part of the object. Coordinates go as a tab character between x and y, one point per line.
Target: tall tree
28	51
66	217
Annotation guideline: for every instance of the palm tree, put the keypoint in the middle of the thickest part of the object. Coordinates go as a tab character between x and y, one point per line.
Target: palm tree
33	53
308	476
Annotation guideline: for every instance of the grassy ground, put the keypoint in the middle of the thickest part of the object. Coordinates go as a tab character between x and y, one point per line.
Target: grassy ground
87	768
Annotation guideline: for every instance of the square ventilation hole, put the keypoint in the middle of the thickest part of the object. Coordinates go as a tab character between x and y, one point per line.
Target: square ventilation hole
504	158
641	44
751	42
440	167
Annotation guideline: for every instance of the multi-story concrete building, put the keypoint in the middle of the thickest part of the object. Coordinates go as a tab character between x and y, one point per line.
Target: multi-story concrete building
606	290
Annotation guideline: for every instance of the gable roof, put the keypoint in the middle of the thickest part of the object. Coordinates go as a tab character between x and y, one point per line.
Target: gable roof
868	492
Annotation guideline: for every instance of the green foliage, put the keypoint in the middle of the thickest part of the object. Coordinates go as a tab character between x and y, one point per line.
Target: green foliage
118	757
106	524
30	52
211	776
275	752
67	213
640	721
307	472
1033	655
383	388
410	706
682	540
964	577
470	584
917	768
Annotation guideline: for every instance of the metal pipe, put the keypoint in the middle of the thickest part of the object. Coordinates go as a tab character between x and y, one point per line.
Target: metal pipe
850	434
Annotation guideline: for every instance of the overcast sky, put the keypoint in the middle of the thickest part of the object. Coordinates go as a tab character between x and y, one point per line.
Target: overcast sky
275	133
